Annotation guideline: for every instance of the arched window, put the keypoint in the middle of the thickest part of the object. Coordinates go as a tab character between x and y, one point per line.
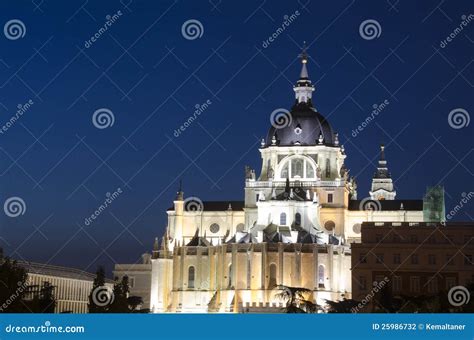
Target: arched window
191	271
297	167
273	276
328	167
230	275
321	276
298	219
284	171
282	219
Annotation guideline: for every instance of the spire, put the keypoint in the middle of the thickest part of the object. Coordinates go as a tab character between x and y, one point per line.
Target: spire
382	184
180	193
382	170
304	61
303	88
156	249
382	153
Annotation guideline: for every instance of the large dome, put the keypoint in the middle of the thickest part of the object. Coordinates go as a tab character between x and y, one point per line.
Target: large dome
303	125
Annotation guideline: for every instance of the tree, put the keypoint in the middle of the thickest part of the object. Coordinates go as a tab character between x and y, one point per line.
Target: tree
47	301
134	302
96	304
296	299
342	306
12	286
40	299
120	293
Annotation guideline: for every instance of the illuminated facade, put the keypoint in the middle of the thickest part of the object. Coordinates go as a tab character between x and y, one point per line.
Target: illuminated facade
71	287
294	228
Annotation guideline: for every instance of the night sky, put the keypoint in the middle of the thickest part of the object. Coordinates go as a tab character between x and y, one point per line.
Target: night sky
150	77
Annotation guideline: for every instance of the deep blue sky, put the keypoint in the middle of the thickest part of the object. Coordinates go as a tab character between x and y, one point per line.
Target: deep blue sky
151	78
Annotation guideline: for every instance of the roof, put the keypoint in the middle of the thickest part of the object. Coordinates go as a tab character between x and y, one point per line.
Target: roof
387	205
303	126
220	205
58	271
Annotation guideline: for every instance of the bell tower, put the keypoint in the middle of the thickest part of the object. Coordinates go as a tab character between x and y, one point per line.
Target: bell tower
382	184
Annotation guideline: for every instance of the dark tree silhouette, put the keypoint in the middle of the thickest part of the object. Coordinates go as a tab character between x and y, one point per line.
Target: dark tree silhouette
16	296
12	286
133	303
296	299
120	302
342	306
99	282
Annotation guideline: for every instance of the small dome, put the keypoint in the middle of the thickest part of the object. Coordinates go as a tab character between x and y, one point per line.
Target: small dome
304	126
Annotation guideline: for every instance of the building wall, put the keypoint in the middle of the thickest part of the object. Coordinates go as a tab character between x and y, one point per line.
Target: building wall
417	258
72	295
139	278
241	275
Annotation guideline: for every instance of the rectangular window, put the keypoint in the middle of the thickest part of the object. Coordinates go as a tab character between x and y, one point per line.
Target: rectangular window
413	239
396	258
450	282
330	198
431	259
414	259
468	260
282	219
378	238
397	283
378	279
415	284
131	282
433	285
378	258
362	283
362	258
450	260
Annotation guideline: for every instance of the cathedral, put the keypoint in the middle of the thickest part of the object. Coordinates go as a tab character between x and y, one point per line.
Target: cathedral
295	226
